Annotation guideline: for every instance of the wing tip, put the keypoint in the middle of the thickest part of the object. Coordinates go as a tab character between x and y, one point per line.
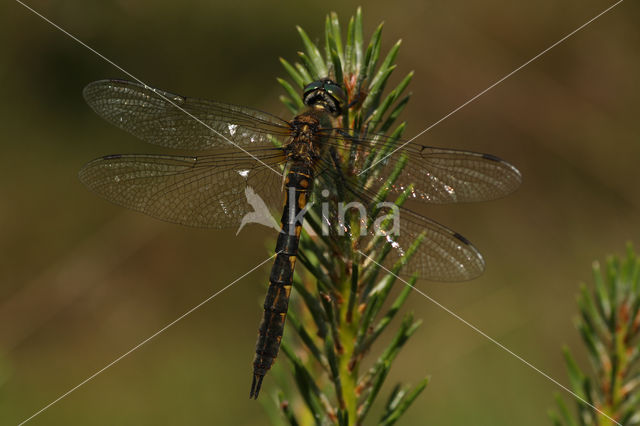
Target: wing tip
475	268
86	91
90	88
517	175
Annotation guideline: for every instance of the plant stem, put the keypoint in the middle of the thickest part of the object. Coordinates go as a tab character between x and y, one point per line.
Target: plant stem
349	375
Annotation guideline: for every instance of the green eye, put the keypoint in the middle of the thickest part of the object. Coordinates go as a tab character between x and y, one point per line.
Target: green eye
335	91
312	86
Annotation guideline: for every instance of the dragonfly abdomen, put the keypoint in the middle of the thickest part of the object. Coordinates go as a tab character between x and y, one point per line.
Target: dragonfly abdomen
297	189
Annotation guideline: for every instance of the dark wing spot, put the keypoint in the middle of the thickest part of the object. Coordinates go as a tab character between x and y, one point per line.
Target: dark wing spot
491	157
461	238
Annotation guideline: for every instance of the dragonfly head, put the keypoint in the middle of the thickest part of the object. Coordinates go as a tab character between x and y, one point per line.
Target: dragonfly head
324	94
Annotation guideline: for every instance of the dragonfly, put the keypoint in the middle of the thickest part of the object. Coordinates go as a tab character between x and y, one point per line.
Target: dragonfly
226	149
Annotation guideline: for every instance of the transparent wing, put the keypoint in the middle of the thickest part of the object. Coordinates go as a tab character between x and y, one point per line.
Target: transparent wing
144	112
443	255
438	175
203	191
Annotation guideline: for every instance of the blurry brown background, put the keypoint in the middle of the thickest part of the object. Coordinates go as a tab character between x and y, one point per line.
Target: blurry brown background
83	281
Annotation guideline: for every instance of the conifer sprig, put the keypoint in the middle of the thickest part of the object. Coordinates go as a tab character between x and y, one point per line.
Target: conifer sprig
609	325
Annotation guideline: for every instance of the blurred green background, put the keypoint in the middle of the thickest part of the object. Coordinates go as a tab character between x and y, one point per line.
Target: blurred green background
83	281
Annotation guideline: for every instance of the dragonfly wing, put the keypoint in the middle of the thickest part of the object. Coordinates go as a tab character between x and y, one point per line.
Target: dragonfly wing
443	255
169	120
203	191
452	176
438	175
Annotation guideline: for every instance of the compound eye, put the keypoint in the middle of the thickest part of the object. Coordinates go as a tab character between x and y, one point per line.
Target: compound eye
336	91
312	86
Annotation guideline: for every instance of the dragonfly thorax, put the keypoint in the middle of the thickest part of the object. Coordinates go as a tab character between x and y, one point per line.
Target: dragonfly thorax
305	144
